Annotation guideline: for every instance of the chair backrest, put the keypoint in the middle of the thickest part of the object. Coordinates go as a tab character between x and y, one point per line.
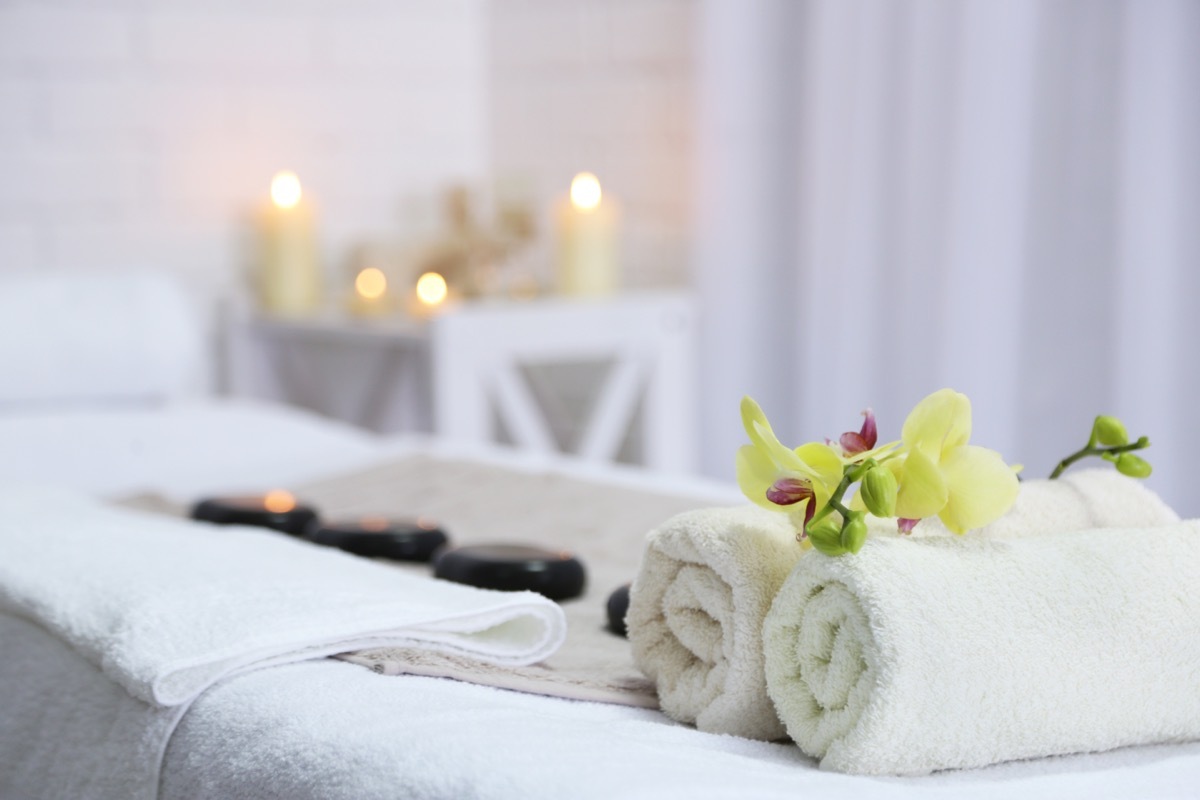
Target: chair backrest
482	358
68	337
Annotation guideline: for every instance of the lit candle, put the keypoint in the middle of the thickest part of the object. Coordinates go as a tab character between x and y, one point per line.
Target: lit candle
277	510
587	239
371	297
289	269
429	294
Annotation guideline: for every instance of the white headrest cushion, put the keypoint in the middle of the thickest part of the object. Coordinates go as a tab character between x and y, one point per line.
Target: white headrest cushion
80	336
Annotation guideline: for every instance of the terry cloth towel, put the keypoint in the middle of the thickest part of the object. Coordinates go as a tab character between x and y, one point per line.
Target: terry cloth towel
696	610
166	608
936	653
1090	498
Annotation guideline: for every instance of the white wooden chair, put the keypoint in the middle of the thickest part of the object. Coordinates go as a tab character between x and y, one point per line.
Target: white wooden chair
480	354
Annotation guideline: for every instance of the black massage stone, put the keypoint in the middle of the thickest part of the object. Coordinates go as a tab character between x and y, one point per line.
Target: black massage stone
554	573
379	537
618	605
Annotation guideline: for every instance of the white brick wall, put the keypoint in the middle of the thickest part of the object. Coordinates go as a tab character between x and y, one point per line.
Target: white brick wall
604	86
144	132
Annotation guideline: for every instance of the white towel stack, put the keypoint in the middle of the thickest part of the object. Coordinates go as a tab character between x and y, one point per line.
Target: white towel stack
708	579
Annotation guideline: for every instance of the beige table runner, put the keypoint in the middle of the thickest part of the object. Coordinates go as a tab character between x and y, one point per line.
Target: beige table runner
479	503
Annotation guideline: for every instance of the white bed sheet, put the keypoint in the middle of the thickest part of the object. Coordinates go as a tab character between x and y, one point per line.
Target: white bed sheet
182	449
439	738
436	738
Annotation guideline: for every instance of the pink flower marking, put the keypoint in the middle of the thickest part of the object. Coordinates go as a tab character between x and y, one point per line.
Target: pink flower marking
863	440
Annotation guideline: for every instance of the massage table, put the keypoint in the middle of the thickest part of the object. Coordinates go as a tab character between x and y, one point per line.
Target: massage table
325	728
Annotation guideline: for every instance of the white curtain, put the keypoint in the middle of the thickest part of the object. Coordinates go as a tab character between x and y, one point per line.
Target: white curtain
1001	197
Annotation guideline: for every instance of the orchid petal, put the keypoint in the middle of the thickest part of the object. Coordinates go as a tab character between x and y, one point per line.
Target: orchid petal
869	432
822	463
755	474
853	443
940	422
923	492
982	487
755	422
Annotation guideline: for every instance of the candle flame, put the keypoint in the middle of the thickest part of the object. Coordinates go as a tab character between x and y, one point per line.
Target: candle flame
279	501
431	289
285	189
374	524
585	191
371	283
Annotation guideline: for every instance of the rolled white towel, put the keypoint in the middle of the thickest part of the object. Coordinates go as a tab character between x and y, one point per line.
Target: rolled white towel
695	615
949	652
1089	498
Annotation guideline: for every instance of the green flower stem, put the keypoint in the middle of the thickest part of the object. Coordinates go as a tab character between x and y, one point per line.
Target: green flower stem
1092	450
851	475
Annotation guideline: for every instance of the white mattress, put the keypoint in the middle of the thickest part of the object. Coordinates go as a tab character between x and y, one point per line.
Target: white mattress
425	737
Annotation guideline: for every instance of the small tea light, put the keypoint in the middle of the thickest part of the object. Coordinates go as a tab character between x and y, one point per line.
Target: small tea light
512	568
432	289
371	293
382	537
277	510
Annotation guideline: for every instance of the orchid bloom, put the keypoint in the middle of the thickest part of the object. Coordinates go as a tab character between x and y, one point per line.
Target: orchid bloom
964	485
778	479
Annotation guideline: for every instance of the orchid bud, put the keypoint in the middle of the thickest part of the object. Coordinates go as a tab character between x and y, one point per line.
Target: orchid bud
854	533
879	489
1110	432
1133	466
826	536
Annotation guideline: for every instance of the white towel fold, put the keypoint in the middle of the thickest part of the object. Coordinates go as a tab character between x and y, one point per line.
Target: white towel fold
165	608
947	652
695	615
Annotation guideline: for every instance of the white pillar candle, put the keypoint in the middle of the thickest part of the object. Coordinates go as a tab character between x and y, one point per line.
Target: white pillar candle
587	239
289	267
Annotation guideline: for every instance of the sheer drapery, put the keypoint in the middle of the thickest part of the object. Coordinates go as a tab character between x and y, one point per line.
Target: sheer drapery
999	197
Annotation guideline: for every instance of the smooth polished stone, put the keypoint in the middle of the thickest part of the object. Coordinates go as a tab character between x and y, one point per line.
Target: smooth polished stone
383	537
557	574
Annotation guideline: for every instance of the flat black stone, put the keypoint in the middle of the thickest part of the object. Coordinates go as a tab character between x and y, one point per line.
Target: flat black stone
245	511
512	568
618	605
399	540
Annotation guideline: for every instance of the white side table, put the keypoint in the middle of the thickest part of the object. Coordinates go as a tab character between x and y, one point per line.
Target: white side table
372	373
645	344
512	371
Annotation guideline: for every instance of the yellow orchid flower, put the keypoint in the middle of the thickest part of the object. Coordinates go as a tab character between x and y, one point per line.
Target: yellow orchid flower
965	485
797	481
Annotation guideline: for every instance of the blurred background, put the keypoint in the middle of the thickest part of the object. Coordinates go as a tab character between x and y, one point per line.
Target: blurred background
825	205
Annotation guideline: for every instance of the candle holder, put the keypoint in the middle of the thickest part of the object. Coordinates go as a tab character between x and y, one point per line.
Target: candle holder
381	537
276	510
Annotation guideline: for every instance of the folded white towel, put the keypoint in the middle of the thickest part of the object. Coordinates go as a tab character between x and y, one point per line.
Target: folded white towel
695	615
946	652
165	608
